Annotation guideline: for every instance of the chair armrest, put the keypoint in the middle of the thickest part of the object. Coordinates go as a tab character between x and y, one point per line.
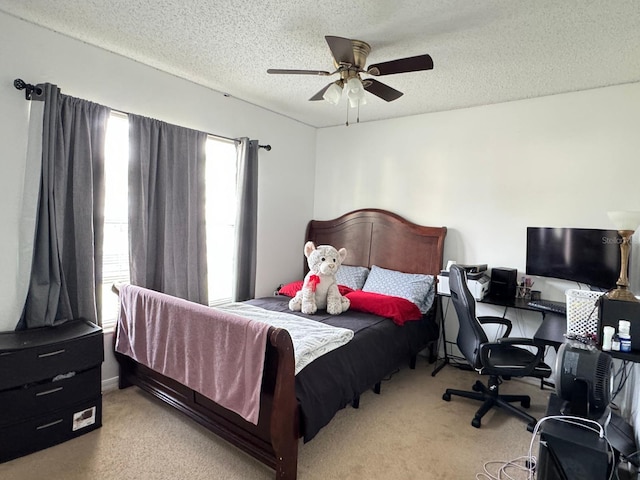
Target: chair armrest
529	342
524	342
497	321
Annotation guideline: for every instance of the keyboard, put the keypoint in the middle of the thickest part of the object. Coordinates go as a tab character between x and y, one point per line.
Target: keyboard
549	306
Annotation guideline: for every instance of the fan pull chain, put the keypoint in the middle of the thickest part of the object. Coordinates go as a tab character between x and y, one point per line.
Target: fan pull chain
347	124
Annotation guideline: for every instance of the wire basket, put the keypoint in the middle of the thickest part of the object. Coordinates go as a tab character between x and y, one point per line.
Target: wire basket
582	311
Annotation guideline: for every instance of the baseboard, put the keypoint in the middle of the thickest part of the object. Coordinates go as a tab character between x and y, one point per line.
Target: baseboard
109	384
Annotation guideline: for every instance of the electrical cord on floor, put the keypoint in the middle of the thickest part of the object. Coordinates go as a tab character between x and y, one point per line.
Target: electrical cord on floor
520	464
388	377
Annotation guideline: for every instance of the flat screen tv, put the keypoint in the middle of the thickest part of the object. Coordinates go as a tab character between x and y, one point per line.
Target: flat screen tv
583	255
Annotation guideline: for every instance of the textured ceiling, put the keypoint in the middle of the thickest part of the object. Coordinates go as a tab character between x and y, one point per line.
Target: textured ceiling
484	52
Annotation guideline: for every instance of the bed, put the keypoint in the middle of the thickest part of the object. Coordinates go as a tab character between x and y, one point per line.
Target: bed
293	406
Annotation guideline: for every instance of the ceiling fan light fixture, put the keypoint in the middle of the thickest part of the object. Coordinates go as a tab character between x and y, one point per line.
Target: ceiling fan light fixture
356	101
355	92
333	94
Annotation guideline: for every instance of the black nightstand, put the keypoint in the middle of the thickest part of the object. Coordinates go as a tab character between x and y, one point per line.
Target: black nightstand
50	386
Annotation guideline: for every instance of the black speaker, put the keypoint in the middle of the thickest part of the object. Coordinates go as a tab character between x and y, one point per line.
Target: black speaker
503	282
612	311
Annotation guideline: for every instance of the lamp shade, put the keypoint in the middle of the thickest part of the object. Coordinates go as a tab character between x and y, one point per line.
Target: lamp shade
333	94
625	220
355	92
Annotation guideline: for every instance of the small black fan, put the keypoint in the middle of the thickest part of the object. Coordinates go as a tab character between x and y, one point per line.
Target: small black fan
584	381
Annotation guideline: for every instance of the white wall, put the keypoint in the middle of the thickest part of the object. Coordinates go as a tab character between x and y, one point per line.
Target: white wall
489	172
38	55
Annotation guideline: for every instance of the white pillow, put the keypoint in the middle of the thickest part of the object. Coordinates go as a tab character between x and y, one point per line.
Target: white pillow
415	287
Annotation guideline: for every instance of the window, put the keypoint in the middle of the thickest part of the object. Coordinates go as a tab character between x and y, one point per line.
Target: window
115	252
220	216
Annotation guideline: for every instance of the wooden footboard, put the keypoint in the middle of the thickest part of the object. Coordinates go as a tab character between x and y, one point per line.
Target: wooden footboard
274	440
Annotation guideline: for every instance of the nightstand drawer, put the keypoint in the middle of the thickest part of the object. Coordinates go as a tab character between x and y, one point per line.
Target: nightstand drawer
37	399
40	359
50	429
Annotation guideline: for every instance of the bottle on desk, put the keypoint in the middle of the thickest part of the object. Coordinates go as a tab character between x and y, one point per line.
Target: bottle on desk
607	338
624	327
615	343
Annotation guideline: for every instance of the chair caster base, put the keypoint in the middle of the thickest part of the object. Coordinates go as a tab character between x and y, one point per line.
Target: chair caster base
476	422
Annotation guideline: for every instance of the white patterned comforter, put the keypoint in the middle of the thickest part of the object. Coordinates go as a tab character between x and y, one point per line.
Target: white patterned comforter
310	339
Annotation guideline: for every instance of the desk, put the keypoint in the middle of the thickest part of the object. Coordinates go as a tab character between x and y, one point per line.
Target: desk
551	331
554	325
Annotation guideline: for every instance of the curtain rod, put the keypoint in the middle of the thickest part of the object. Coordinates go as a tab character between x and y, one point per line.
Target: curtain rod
235	140
29	89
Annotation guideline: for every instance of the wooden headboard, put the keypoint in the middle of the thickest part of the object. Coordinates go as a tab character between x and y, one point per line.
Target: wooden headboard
378	237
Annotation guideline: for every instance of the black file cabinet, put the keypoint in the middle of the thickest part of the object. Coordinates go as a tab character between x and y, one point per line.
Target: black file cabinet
50	386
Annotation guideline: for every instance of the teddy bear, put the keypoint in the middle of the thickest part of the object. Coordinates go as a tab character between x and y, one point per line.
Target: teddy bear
320	289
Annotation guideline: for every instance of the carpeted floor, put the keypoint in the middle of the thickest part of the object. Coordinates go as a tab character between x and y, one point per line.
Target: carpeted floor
407	432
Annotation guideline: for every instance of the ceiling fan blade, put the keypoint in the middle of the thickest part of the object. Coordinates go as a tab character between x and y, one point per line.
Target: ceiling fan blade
402	65
318	96
381	90
298	72
341	49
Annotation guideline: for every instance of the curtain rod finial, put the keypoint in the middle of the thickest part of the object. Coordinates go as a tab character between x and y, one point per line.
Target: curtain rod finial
27	87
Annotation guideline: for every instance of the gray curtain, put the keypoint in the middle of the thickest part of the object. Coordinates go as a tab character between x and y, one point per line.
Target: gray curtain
246	221
167	241
67	257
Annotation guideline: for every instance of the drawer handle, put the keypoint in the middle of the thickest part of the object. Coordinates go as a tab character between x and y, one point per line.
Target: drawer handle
51	354
48	392
42	427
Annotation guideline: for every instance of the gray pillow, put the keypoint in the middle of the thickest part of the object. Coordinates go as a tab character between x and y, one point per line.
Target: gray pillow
415	287
352	276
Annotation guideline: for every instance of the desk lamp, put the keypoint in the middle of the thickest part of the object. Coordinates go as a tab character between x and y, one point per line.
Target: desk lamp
626	224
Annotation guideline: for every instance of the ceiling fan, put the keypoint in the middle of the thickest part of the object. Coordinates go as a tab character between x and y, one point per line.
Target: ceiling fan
349	57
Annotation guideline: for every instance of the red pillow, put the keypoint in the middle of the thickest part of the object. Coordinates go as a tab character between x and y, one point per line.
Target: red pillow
344	290
290	289
400	310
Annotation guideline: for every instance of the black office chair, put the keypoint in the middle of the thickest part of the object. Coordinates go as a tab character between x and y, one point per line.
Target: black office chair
499	360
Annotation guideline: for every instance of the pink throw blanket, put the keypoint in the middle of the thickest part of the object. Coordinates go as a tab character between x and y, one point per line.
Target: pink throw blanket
217	354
